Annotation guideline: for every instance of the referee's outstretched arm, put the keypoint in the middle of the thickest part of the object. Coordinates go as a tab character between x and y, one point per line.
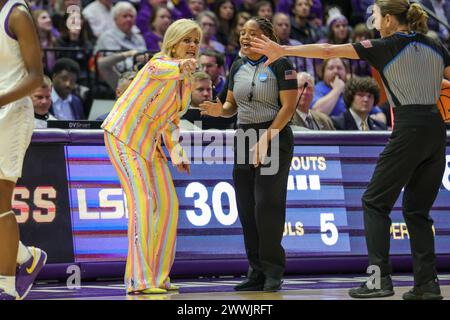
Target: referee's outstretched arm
273	51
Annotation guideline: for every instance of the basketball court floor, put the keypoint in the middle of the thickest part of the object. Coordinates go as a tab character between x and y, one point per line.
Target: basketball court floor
333	287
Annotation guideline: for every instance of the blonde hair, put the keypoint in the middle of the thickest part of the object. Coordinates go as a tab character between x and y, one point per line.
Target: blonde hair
200	76
46	83
176	32
412	15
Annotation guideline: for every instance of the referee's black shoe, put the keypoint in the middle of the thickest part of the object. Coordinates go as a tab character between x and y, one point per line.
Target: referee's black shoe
364	292
272	284
427	291
251	284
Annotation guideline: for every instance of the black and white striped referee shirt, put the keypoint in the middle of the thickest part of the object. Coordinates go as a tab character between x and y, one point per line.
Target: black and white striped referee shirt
256	88
411	66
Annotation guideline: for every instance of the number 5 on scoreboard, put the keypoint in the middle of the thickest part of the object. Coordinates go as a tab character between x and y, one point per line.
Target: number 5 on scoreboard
326	224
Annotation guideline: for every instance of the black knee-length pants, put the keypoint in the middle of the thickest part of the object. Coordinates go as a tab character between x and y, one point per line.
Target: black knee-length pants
261	202
414	158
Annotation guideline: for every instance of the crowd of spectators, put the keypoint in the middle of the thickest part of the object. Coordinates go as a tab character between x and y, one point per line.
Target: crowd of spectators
88	44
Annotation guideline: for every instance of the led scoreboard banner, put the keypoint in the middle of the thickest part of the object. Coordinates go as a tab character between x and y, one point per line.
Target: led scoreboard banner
324	219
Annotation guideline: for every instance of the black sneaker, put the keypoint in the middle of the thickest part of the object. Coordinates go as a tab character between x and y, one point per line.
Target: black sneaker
272	284
363	292
427	291
251	284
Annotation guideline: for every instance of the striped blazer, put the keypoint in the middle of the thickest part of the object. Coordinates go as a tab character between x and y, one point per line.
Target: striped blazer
150	108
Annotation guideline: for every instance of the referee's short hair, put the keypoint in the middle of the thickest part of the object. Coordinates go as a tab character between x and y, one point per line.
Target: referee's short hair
360	84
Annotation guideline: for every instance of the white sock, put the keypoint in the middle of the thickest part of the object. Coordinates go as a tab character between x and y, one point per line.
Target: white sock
8	284
23	254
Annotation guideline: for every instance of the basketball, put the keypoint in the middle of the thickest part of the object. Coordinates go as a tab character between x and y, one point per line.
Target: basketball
444	101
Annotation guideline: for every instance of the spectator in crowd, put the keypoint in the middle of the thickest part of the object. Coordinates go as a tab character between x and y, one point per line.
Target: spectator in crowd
39	4
361	11
77	38
247	6
42	101
282	27
201	92
122	84
47	36
124	81
179	10
441	8
301	28
208	23
107	66
344	6
225	11
264	9
328	95
360	95
160	21
65	104
305	117
122	36
337	32
316	11
337	24
98	15
196	6
212	62
60	9
360	33
241	19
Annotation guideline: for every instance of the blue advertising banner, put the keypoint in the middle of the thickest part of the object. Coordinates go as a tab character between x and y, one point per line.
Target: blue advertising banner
323	218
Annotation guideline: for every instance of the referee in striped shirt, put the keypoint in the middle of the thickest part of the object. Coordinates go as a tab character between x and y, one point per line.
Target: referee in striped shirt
412	67
264	98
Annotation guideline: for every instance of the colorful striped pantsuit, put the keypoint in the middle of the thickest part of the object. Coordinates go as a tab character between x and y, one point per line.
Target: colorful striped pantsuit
153	215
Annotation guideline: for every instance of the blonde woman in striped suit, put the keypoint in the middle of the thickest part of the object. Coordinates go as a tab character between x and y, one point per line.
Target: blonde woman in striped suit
148	110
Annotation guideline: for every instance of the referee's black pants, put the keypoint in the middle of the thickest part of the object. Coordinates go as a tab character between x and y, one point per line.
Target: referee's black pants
414	158
261	203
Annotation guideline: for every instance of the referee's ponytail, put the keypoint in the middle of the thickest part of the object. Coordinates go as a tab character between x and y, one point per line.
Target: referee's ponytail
408	14
417	18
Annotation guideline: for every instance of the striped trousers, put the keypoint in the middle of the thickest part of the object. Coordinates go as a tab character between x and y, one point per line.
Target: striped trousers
153	215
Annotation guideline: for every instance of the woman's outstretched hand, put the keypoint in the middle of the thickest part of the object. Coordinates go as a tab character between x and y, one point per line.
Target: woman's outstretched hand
213	109
272	50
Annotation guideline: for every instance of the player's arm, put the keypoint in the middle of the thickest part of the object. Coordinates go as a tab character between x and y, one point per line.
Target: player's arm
22	27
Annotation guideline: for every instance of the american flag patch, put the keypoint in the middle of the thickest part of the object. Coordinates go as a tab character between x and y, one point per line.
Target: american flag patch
290	75
366	44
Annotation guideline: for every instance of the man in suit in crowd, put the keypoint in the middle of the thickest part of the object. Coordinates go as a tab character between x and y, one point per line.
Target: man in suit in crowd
66	105
304	117
202	91
360	96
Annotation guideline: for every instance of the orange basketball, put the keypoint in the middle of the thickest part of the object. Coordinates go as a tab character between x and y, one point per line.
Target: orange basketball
444	101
